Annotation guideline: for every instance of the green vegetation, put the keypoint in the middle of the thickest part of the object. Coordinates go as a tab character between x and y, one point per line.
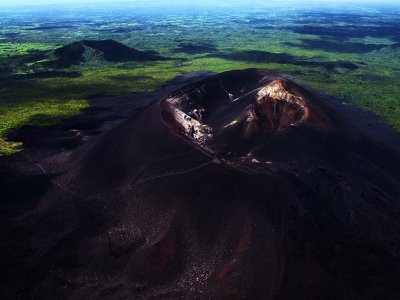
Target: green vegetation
9	49
360	64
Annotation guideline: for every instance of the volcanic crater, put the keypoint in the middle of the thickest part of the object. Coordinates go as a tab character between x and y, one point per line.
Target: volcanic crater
245	116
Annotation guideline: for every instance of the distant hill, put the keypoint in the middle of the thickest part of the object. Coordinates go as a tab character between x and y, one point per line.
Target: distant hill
108	50
392	51
395	46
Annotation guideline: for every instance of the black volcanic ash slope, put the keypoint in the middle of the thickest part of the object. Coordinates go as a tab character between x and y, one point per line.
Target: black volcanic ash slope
108	50
240	186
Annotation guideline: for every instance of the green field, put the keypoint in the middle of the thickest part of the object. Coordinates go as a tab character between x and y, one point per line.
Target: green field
348	54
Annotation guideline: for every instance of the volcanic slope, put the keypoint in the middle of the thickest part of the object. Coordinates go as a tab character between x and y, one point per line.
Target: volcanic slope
242	185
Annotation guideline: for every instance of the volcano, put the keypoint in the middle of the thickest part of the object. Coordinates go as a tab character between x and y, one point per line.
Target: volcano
89	50
242	185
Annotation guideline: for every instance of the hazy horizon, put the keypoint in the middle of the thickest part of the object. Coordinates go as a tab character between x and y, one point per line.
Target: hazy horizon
204	3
